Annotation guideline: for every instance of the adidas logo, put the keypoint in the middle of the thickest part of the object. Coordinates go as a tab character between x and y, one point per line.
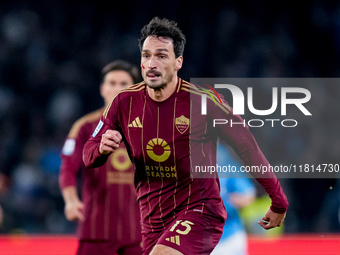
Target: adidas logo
174	239
136	123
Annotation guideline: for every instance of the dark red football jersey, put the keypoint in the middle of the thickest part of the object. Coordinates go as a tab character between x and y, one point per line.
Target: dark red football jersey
165	141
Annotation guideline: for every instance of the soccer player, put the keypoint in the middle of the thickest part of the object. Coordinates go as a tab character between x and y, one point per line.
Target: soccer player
167	137
108	214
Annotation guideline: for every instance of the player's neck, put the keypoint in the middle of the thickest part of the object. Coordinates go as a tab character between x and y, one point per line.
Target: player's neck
165	92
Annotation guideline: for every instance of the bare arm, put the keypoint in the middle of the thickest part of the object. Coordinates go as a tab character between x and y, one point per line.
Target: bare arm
73	205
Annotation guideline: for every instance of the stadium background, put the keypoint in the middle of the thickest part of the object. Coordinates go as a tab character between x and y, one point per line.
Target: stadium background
51	53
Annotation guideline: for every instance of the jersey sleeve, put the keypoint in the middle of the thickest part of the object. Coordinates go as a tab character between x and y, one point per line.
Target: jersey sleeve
91	156
236	133
71	157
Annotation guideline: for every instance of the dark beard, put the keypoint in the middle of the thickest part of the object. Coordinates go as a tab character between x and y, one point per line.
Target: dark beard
160	86
157	87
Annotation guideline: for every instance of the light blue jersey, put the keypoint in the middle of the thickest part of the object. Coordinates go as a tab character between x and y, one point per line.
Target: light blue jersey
241	185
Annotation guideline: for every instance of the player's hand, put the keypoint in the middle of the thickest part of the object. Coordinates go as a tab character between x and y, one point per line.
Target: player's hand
272	220
110	142
73	210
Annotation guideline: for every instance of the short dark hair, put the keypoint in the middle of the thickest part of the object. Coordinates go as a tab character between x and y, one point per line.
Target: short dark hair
121	65
164	28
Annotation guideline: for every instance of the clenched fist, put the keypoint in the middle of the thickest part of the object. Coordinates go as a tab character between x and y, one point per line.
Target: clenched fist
110	142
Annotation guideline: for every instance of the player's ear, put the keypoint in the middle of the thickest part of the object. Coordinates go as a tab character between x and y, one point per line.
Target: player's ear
101	89
179	63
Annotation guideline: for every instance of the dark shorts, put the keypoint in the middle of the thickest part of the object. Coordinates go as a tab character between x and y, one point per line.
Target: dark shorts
89	247
189	234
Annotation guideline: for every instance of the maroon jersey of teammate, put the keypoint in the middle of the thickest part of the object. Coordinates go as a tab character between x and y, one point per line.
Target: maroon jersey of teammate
110	208
165	144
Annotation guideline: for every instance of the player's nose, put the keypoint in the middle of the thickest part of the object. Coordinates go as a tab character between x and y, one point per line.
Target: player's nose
152	63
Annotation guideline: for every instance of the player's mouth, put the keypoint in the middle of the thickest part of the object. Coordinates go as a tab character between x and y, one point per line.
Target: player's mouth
153	74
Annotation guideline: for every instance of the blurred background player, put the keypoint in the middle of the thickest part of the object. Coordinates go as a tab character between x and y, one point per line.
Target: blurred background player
107	214
236	193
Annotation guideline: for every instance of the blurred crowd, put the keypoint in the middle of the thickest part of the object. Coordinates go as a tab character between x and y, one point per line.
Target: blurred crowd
51	53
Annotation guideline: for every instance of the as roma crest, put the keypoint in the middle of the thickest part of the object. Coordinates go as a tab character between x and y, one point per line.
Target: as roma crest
182	124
